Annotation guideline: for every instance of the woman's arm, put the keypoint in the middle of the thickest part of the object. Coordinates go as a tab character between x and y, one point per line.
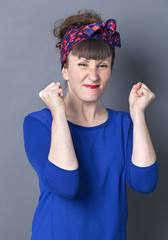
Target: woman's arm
142	167
37	141
143	154
62	151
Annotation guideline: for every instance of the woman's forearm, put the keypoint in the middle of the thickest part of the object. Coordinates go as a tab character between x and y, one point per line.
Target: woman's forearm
143	154
62	152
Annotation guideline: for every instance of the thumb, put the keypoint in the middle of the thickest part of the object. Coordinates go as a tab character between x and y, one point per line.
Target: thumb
137	86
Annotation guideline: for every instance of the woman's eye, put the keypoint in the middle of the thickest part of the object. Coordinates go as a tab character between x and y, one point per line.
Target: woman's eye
82	64
103	66
85	65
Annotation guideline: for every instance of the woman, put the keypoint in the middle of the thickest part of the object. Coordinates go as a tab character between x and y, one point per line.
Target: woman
83	153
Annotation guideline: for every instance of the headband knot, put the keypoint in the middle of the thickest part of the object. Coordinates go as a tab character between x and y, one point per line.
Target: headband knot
97	30
109	27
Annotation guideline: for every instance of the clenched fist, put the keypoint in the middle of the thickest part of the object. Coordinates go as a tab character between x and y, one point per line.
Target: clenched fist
52	96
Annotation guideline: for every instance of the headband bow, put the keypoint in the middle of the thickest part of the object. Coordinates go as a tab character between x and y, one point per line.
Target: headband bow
98	30
109	28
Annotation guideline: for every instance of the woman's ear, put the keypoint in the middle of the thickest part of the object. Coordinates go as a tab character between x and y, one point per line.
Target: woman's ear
65	73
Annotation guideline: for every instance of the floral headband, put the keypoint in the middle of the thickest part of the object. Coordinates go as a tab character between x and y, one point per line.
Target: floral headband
98	30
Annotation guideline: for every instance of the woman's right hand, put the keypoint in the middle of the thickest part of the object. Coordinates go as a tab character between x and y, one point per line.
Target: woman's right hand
52	96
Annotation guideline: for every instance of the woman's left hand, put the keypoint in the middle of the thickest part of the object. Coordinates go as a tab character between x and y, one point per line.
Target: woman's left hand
140	97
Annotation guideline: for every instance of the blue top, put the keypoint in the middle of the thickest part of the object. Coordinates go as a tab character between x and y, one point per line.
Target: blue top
90	202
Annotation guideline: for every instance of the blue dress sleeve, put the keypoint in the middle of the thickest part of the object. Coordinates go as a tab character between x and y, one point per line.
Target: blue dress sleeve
140	179
37	139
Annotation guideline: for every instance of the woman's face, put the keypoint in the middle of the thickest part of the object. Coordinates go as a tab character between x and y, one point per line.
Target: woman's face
81	72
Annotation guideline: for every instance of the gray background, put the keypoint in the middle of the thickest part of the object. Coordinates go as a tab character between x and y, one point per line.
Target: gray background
29	61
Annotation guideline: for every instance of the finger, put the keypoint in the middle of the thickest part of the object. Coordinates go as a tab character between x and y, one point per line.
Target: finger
55	89
59	84
56	86
53	84
59	92
140	91
46	88
144	85
51	92
144	89
49	86
136	87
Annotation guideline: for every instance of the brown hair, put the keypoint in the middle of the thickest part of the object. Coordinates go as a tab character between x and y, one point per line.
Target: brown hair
90	48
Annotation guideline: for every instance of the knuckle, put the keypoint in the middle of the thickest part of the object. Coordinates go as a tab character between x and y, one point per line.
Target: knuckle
57	85
40	94
45	94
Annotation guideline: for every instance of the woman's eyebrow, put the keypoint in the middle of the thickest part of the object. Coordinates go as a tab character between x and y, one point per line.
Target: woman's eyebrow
82	59
87	60
104	61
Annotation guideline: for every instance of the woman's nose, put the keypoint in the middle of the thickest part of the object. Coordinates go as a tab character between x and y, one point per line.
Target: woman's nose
93	73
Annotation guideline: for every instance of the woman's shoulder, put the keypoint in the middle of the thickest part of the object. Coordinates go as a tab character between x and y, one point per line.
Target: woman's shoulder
121	118
120	113
43	115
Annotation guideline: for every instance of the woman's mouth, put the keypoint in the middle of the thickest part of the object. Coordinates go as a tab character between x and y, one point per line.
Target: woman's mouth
92	86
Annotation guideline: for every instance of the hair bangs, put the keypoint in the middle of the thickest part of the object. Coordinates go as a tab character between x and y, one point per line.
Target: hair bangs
92	49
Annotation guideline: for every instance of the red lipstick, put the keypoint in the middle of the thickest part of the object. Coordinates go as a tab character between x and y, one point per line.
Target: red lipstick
92	86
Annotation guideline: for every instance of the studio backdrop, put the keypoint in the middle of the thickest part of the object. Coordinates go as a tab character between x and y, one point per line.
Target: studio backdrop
29	61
